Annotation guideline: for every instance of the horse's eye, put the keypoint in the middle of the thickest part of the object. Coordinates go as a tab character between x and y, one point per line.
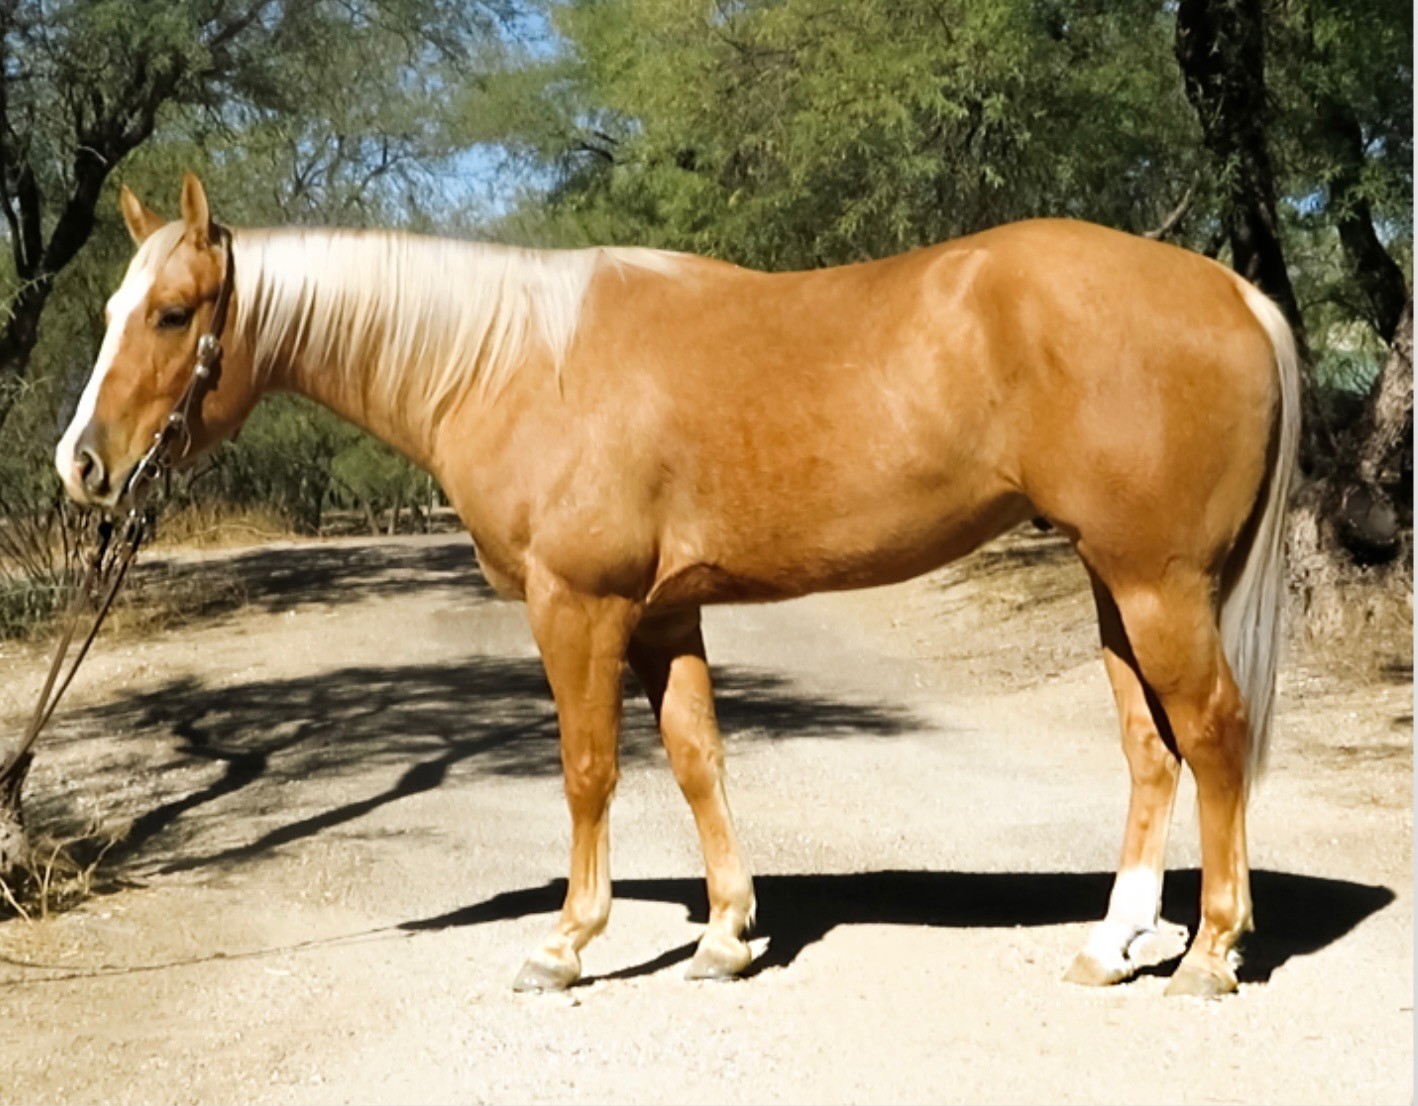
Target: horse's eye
174	318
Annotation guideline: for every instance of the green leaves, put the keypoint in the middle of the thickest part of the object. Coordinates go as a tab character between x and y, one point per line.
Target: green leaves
797	133
801	132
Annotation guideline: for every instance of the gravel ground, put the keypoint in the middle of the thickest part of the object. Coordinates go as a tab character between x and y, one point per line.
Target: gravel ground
341	796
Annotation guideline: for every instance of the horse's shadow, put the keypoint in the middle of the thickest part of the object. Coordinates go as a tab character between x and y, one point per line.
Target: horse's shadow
1298	914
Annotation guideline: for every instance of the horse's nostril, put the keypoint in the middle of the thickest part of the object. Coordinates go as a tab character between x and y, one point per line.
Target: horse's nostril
92	474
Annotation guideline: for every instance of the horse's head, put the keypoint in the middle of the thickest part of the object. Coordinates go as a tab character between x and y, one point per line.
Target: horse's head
165	304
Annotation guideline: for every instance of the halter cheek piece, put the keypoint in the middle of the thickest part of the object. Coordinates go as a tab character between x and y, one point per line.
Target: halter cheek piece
205	370
118	542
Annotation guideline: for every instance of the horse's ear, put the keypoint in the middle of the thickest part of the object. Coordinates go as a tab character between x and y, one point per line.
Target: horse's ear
140	221
195	213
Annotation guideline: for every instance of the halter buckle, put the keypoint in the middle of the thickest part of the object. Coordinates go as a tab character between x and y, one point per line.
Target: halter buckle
209	348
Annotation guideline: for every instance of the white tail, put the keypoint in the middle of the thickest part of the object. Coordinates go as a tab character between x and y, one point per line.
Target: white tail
1252	606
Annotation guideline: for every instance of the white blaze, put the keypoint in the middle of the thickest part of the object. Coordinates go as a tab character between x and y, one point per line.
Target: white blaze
129	298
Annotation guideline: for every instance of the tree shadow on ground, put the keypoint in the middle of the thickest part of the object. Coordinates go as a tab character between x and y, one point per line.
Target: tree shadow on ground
299	757
238	752
1298	914
321	751
280	577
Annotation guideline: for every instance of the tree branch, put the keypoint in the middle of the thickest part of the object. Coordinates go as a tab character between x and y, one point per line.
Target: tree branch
1174	218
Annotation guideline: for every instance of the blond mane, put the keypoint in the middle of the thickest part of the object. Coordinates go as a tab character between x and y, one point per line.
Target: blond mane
421	319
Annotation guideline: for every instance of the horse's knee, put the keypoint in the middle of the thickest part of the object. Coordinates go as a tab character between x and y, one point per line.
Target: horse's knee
589	781
1151	762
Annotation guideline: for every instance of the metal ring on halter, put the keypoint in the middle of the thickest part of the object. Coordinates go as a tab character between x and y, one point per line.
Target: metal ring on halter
209	348
177	424
148	469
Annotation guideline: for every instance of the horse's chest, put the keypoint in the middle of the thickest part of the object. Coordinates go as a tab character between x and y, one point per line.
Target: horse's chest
508	583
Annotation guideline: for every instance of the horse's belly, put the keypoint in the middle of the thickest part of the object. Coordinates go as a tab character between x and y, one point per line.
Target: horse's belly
883	543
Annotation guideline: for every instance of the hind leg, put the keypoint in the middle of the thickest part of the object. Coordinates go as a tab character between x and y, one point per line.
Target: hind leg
1130	936
1171	628
667	655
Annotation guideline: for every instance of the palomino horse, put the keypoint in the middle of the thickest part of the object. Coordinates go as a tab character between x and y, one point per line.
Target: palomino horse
631	434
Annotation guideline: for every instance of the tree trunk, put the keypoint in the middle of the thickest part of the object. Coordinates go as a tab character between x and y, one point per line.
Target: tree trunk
1386	456
37	269
1371	266
1362	510
21	333
14	845
107	128
1220	46
394	512
1376	506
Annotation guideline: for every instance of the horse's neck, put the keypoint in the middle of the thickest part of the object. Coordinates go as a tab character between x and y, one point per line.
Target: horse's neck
344	393
314	329
392	331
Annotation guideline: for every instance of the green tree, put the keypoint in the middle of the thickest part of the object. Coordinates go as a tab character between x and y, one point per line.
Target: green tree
1220	47
1343	86
805	133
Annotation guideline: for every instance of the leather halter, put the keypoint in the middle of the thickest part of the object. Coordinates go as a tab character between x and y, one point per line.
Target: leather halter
205	370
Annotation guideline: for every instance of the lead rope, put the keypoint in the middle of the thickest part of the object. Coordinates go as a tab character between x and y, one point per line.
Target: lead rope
101	582
111	559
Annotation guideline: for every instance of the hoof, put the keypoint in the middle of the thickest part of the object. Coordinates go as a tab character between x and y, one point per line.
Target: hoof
1199	982
719	958
538	976
1089	972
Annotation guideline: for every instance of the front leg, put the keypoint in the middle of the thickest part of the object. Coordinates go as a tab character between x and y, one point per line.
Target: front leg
583	643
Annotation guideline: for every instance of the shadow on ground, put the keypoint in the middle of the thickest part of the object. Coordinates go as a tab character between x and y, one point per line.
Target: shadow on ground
248	769
1298	914
280	577
260	765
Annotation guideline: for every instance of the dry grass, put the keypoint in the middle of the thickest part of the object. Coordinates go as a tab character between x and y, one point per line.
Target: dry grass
217	526
1356	628
58	875
167	595
1015	612
156	596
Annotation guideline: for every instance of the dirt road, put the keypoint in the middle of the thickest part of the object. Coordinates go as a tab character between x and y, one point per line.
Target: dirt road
345	831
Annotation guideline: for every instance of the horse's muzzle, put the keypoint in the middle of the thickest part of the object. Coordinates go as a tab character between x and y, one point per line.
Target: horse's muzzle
87	477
